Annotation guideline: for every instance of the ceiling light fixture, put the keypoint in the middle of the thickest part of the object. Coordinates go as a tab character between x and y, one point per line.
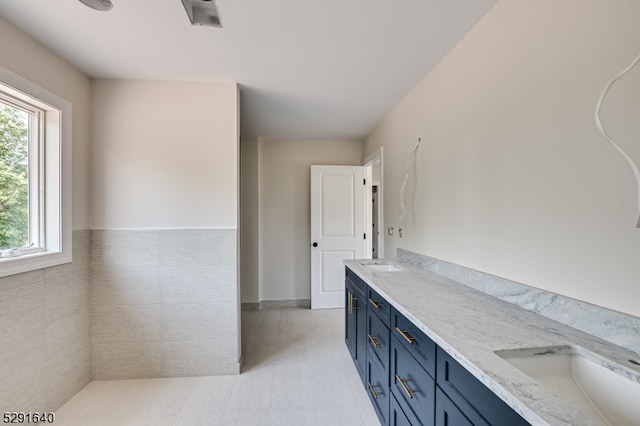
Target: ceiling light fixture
102	5
202	12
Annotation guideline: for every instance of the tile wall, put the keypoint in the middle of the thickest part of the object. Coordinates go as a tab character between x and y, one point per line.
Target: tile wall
45	351
164	303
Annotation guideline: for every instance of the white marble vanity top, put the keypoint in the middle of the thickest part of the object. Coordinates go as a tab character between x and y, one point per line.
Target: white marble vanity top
471	326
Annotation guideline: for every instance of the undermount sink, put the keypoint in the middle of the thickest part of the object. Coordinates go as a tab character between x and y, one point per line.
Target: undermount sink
382	267
593	384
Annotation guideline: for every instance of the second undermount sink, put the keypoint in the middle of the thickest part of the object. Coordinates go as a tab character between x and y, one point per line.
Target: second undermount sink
382	266
595	385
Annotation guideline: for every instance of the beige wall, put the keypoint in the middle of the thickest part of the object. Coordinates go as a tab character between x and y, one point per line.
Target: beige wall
513	177
165	155
45	350
284	211
29	59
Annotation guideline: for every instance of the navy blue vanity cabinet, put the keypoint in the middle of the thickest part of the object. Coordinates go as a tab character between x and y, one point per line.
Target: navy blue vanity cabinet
356	320
477	403
410	380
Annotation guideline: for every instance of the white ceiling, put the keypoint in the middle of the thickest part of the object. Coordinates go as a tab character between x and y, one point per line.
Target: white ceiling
307	69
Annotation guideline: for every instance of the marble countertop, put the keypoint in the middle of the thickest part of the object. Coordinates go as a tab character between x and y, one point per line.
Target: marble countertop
471	325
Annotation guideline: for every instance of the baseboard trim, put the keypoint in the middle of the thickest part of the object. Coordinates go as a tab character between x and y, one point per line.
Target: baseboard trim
251	306
277	304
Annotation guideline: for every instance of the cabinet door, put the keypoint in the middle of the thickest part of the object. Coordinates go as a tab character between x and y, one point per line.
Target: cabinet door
355	326
379	305
360	308
397	417
447	414
471	396
412	386
349	320
421	347
378	388
378	339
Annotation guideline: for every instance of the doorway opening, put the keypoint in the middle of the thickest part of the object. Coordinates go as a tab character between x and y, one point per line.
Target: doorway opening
374	200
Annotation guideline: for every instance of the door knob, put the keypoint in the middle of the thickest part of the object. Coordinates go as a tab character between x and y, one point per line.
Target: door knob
315	244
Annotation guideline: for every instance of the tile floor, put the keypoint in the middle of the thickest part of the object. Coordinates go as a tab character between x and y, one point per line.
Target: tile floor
296	372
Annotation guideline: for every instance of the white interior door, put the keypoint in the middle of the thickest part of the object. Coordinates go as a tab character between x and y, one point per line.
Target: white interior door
337	229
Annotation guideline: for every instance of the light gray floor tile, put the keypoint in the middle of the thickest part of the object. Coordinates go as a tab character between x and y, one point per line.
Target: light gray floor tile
293	416
292	389
246	417
296	371
335	414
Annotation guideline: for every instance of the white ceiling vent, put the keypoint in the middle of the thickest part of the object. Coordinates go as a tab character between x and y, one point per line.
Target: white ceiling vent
202	12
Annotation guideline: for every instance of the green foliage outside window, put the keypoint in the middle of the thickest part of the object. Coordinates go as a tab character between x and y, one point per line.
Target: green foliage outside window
14	181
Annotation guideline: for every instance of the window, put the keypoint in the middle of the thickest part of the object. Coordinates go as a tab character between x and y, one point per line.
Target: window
19	172
35	176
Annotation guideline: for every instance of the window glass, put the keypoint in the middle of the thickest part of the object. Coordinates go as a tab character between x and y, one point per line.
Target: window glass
14	177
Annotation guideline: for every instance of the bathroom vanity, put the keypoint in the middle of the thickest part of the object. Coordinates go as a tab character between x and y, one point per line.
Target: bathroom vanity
431	351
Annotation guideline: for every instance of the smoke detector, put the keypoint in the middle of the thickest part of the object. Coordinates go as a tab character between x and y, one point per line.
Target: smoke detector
102	5
202	12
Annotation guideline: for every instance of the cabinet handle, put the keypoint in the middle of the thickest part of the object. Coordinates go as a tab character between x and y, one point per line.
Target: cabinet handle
404	386
351	305
406	336
374	341
375	303
349	296
375	394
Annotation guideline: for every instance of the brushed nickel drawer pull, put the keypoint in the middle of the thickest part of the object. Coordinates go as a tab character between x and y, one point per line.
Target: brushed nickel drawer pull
404	386
375	303
375	394
374	341
406	336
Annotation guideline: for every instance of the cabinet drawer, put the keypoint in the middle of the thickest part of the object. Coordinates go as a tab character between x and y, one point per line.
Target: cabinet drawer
378	388
379	305
447	414
397	417
413	387
416	342
378	340
463	389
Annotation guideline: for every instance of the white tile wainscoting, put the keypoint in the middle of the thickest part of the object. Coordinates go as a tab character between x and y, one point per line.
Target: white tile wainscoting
164	303
45	349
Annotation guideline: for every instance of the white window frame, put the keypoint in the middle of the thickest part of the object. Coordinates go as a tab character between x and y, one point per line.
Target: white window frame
53	198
